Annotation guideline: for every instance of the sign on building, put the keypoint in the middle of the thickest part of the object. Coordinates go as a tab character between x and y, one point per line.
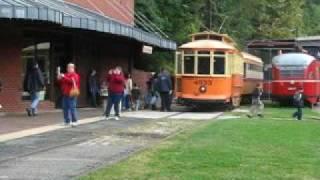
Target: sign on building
147	49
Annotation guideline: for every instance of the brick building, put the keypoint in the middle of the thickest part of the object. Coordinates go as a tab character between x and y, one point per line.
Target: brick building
94	34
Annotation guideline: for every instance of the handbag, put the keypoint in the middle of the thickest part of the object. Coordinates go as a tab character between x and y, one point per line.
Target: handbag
74	92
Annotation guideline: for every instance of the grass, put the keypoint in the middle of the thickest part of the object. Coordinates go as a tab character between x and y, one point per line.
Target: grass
274	147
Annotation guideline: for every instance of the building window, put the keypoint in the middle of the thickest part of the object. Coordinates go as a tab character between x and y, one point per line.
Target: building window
189	65
204	65
36	53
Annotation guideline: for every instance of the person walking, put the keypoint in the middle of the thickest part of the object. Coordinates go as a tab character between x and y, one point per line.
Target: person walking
70	88
298	101
127	102
257	105
33	84
116	84
93	87
164	87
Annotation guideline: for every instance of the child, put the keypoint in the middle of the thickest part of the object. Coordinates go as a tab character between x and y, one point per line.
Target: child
136	93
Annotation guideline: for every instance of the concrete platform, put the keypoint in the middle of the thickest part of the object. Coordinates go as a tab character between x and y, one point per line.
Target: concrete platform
196	116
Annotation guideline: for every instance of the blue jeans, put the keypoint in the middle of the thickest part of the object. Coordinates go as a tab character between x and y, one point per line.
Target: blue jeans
69	105
126	101
113	100
35	99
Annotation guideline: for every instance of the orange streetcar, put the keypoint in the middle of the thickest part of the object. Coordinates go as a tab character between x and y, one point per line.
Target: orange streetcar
209	70
252	75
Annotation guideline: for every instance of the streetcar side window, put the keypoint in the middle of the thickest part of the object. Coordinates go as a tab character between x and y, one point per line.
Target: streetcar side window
245	69
189	64
204	65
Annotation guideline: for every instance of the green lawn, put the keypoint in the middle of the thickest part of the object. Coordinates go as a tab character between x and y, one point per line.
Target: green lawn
271	148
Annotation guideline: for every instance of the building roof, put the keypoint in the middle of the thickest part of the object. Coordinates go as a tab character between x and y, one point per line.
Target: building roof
275	43
73	16
207	44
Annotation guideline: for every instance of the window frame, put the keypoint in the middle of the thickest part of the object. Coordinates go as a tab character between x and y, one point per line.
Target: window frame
225	56
183	63
179	54
209	55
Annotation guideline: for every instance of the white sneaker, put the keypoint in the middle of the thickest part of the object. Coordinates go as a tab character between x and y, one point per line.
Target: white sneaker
117	118
108	118
74	124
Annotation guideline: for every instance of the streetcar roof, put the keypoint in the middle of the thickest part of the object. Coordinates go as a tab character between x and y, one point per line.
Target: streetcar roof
207	44
251	57
293	59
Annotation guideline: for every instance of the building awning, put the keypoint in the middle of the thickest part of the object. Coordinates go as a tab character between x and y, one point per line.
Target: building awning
73	16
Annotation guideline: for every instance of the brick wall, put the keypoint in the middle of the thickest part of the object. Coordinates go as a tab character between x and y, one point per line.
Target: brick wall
116	9
11	70
140	78
10	48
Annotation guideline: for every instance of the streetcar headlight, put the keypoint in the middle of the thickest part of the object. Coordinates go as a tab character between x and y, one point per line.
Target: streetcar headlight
203	89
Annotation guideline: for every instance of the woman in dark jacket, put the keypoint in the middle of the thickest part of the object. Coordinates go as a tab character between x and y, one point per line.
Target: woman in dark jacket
33	83
93	87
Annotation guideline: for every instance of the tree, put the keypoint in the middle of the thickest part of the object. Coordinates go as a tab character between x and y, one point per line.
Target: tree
243	20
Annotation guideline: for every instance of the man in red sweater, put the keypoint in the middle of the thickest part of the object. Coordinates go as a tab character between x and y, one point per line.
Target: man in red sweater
116	84
69	82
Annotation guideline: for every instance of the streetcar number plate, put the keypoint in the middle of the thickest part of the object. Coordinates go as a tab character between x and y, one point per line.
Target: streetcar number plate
292	88
203	82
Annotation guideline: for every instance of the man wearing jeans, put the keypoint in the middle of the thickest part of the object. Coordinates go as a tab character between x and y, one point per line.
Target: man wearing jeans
33	83
116	85
68	83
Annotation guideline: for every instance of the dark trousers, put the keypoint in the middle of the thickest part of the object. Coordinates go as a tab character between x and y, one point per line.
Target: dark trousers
113	100
69	105
165	101
93	99
126	101
298	114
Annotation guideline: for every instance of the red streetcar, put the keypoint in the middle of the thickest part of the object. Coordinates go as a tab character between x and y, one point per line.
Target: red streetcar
293	70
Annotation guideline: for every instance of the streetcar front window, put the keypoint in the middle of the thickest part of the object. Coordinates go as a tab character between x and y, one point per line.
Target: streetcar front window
219	64
291	71
204	65
189	64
